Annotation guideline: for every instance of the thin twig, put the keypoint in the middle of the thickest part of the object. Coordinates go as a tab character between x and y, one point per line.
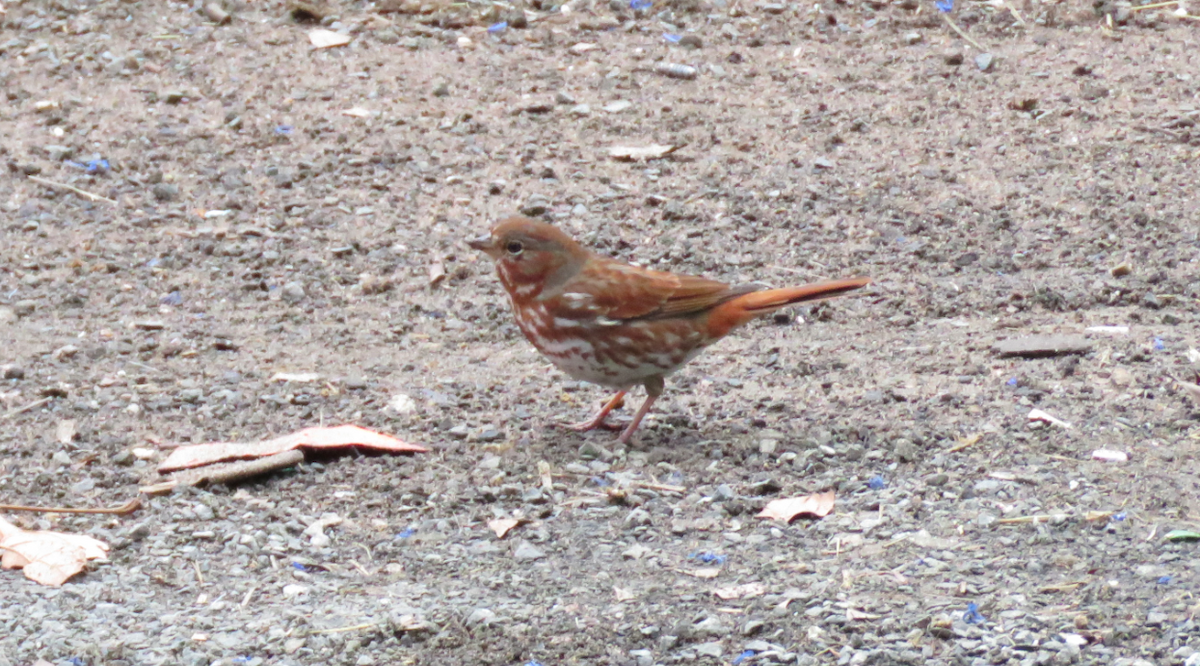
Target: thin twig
249	595
125	509
659	486
1155	5
21	410
962	34
72	188
339	630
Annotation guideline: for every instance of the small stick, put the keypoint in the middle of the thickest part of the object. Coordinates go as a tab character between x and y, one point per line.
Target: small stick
659	486
249	595
962	34
21	410
125	509
72	188
1155	5
339	630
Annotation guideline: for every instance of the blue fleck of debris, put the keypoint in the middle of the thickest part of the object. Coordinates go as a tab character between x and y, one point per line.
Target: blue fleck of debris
1119	516
407	532
533	662
91	166
1012	382
153	262
743	657
674	39
944	6
1159	345
1164	580
639	4
284	130
241	660
600	482
173	298
299	566
498	27
708	557
76	661
876	483
972	616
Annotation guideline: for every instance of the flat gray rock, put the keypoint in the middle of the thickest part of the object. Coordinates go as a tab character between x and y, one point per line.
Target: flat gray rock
1039	346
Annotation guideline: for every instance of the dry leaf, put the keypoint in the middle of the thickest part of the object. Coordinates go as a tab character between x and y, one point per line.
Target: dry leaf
324	39
638	153
623	594
741	591
49	558
333	437
357	112
501	526
817	505
1109	455
712	572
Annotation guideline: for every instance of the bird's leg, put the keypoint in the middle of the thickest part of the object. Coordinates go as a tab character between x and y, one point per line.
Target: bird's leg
654	388
598	420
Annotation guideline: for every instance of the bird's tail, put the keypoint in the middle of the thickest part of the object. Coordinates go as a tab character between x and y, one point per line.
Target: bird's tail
734	313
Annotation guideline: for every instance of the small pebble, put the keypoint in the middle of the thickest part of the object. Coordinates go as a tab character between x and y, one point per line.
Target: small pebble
527	552
292	292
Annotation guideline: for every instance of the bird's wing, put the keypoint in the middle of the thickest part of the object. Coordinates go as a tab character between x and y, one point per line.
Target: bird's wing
614	290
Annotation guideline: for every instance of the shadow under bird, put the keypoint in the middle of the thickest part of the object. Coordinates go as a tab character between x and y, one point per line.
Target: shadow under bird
617	325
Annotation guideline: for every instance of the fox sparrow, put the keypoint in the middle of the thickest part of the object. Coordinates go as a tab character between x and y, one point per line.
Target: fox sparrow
610	323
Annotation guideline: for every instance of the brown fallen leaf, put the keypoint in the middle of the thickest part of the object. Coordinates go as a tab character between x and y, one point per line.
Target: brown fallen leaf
501	526
708	572
817	505
333	437
46	557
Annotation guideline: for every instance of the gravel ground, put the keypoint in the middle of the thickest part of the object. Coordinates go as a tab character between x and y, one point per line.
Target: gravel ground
266	207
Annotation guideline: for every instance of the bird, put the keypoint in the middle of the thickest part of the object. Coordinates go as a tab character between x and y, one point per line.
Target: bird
618	325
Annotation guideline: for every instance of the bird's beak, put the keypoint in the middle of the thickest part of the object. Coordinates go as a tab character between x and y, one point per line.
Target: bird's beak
483	243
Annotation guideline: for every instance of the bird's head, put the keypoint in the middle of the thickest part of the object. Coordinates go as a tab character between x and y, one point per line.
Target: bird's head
530	256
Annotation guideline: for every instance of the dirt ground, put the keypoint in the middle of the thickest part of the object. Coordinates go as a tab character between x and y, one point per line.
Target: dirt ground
268	207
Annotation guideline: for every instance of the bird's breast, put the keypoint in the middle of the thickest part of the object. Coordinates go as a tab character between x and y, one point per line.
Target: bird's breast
610	352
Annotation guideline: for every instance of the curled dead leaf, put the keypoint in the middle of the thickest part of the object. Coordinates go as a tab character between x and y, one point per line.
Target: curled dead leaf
502	526
319	437
46	557
817	505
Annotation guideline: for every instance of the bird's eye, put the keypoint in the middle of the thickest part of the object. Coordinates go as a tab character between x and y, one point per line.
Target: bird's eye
514	248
